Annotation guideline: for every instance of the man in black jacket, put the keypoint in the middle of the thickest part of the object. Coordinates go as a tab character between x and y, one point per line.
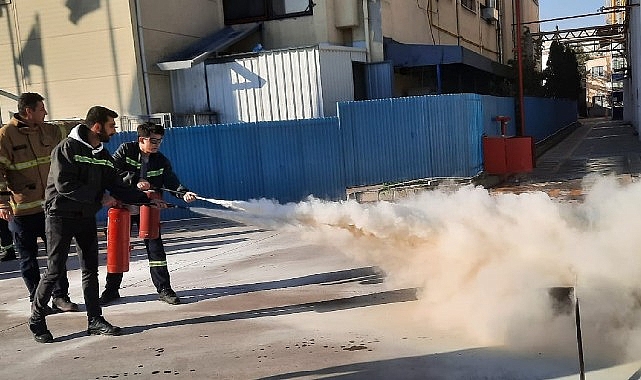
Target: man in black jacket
142	166
81	170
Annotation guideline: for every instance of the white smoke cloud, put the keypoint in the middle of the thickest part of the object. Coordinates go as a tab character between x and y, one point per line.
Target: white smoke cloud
484	263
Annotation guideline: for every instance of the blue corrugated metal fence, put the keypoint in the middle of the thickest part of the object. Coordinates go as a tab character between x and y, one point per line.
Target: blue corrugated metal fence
400	139
371	142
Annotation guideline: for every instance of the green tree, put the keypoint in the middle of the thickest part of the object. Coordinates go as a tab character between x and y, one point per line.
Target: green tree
532	76
562	75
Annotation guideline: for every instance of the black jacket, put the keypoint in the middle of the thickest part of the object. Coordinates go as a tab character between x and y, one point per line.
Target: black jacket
79	176
127	160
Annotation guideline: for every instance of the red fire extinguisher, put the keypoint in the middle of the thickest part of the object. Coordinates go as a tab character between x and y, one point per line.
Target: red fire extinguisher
118	248
149	227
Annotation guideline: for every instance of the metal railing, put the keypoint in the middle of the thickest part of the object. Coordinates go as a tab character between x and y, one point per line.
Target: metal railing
167	120
131	122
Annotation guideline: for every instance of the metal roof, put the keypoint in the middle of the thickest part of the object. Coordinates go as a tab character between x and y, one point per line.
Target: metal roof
415	55
200	50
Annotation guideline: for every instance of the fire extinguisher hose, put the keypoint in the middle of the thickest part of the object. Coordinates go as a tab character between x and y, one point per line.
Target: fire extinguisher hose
220	202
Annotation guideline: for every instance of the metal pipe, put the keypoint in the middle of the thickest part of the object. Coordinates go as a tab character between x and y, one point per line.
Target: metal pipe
499	32
458	27
368	42
439	81
519	58
579	338
21	80
143	59
220	202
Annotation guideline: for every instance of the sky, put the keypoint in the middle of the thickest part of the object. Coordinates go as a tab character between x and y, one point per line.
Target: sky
562	8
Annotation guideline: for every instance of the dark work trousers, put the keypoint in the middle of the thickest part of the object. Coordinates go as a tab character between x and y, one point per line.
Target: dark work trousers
60	231
26	230
157	264
6	240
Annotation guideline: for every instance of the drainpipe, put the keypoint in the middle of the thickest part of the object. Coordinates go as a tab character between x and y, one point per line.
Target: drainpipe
499	31
519	58
143	58
20	77
368	43
458	27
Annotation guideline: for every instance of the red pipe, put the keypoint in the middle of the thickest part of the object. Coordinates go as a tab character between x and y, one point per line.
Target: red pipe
519	59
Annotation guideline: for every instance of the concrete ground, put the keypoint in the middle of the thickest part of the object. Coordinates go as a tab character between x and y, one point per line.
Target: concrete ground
265	302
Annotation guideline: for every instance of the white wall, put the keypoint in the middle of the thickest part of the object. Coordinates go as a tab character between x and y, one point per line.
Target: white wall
275	85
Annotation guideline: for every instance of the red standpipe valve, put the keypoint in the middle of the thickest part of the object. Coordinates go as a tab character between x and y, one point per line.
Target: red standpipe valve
503	120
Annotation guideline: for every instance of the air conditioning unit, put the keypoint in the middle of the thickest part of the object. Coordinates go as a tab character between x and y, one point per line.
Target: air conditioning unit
490	13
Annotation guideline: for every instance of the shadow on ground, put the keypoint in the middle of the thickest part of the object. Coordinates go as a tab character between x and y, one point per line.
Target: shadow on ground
381	298
173	244
469	364
368	275
364	276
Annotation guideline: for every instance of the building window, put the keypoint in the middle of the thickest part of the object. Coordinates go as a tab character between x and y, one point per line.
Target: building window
469	4
599	100
618	64
597	71
242	11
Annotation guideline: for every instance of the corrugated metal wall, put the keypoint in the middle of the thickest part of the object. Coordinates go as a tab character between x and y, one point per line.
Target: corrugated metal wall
285	160
189	90
494	106
275	85
373	142
337	75
408	138
379	79
544	117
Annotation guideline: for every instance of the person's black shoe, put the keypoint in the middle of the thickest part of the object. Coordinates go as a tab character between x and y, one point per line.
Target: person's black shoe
169	296
8	255
47	310
39	329
98	326
108	296
63	304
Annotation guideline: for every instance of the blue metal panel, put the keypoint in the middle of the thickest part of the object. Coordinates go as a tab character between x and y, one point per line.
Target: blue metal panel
494	106
119	138
323	159
285	160
237	164
379	77
455	134
281	158
409	138
377	141
544	117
